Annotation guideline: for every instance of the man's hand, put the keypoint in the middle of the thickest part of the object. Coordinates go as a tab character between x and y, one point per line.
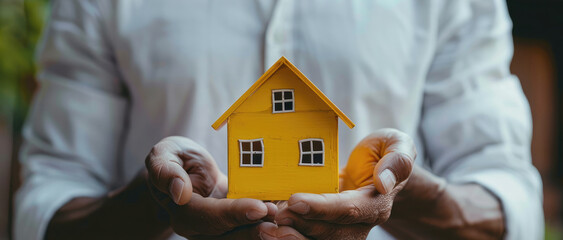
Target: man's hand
376	171
429	207
176	165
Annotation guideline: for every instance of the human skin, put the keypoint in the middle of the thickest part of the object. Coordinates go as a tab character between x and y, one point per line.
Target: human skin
155	204
431	208
376	171
419	206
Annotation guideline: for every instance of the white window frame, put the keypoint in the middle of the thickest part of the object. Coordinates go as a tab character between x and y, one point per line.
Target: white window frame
283	100
312	152
251	152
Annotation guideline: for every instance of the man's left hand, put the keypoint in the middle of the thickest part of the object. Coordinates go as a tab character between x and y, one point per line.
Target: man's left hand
376	171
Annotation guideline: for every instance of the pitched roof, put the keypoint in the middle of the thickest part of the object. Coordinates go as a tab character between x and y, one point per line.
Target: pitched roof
282	61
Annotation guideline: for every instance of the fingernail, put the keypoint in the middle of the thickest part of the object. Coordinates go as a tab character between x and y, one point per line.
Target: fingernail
176	188
388	180
300	207
285	221
254	215
289	237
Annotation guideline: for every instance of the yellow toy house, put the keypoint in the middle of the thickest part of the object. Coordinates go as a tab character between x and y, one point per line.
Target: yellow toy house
282	137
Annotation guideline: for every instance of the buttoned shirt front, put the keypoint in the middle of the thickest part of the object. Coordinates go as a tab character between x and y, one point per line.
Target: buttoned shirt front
118	76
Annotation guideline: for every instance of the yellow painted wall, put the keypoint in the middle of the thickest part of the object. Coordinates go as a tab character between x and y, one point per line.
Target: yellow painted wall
284	78
281	174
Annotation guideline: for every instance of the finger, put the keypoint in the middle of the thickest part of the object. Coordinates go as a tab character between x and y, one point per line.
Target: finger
269	231
221	188
166	171
313	228
348	207
202	169
280	204
214	217
321	229
230	213
397	162
272	211
241	211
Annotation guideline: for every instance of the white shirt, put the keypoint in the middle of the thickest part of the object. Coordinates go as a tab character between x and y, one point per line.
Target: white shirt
118	76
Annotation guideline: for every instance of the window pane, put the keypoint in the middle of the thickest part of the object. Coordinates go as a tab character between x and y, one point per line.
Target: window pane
318	158
278	107
306	146
245	146
256	146
257	158
306	158
317	146
288	95
289	106
246	158
278	96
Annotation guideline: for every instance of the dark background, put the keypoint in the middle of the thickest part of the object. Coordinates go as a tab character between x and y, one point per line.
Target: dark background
538	58
538	62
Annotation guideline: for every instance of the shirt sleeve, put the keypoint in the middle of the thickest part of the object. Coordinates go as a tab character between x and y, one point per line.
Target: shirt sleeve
72	135
476	122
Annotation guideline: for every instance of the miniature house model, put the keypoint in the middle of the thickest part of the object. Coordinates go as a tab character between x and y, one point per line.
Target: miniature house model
282	137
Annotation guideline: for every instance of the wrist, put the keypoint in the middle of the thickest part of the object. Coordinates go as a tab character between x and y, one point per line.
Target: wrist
129	212
142	205
448	210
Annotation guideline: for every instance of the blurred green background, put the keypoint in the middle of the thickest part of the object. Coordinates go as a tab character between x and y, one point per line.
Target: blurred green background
538	31
20	27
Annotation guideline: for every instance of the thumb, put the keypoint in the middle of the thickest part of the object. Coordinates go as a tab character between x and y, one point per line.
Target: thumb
167	174
396	164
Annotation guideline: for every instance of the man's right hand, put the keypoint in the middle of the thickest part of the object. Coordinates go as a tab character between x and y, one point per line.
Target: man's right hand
185	181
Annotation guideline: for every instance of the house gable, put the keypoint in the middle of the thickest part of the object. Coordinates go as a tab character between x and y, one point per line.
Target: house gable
305	99
280	70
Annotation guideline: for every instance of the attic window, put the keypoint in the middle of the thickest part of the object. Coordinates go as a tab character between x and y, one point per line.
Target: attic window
251	153
283	101
312	152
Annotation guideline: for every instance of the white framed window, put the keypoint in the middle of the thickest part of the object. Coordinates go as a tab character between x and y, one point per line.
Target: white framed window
283	100
251	153
312	152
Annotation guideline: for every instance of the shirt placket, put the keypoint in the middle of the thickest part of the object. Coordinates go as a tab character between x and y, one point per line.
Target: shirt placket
279	33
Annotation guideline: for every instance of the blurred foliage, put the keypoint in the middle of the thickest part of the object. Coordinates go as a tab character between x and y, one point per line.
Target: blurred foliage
21	22
552	232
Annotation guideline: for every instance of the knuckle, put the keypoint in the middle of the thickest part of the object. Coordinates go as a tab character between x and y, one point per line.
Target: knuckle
154	169
381	216
151	157
352	213
156	173
158	148
402	166
320	211
405	159
372	219
384	216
